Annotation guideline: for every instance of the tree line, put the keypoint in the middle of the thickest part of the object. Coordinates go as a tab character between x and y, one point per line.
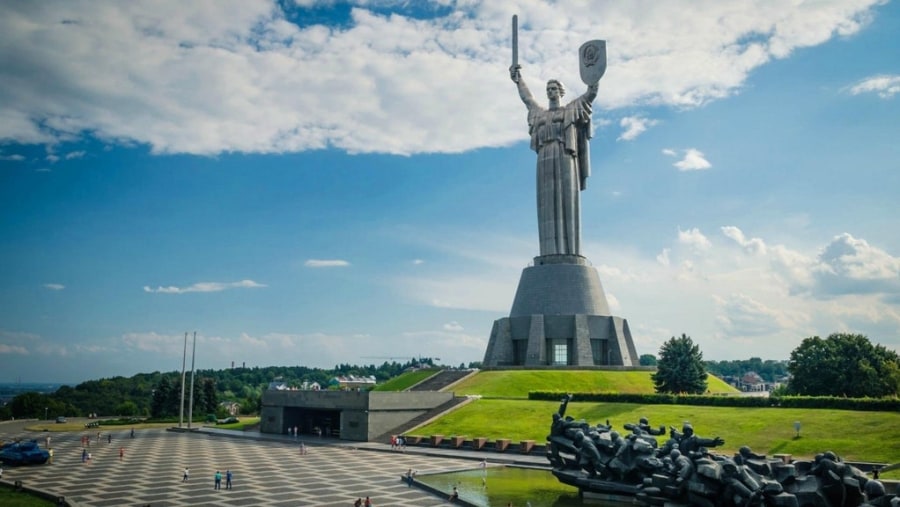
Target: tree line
843	365
158	395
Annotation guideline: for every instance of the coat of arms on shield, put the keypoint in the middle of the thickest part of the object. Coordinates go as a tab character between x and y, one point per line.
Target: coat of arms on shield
592	57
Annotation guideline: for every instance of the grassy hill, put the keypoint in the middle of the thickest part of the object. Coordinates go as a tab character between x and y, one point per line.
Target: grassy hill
517	383
406	380
505	412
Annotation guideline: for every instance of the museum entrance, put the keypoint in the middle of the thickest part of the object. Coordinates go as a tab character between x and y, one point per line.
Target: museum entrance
313	421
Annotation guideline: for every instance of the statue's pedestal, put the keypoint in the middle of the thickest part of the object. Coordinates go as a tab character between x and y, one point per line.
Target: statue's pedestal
560	317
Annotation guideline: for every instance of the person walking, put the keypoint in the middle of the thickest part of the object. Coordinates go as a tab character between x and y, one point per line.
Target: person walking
50	452
368	502
218	480
83	455
121	453
186	475
109	438
227	479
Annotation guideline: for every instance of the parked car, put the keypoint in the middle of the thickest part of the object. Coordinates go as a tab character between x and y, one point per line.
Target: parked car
61	419
228	420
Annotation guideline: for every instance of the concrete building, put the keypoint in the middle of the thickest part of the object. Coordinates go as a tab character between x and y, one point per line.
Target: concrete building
348	415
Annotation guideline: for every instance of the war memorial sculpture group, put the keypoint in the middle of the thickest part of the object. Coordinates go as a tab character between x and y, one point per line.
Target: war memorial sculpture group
560	317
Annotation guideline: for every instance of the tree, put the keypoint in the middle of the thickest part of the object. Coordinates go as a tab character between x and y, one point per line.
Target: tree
680	367
647	360
843	365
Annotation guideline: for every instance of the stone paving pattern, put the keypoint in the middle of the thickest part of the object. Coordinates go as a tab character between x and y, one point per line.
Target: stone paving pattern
267	471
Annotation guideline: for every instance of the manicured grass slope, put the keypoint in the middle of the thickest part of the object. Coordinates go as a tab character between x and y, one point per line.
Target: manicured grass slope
517	383
405	380
856	436
505	412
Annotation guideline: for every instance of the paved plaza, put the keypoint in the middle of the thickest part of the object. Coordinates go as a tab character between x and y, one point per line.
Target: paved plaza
268	470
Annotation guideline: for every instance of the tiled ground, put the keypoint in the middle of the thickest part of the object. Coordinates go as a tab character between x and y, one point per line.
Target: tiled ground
266	473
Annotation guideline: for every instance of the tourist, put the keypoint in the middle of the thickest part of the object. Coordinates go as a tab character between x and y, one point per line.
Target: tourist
227	479
121	453
368	502
186	474
358	502
50	452
455	495
218	480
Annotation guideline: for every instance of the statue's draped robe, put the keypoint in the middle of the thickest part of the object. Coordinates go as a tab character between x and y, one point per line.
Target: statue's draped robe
560	138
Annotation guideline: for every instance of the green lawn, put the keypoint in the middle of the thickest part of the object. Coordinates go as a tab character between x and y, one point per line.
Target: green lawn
855	436
406	380
11	498
517	383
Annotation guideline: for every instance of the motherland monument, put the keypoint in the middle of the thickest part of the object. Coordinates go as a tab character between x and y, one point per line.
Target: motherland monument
560	316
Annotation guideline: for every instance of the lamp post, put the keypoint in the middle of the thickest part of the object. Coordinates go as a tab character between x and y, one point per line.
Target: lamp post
45	412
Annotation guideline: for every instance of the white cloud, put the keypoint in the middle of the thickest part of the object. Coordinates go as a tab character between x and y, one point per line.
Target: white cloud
418	262
15	157
205	287
694	239
753	245
237	76
886	86
75	154
453	326
54	286
693	160
663	257
849	265
326	263
634	126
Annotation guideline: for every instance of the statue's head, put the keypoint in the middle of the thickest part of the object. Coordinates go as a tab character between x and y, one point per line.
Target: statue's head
614	435
579	436
555	89
745	451
687	429
644	420
556	417
675	454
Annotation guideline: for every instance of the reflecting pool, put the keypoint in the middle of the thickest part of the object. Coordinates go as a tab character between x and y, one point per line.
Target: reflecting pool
499	486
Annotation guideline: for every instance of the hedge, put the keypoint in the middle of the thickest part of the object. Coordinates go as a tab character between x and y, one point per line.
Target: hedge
827	402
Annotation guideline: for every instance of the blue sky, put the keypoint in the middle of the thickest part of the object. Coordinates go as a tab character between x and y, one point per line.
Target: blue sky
313	183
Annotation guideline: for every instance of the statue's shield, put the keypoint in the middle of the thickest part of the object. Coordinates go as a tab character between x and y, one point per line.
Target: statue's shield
592	57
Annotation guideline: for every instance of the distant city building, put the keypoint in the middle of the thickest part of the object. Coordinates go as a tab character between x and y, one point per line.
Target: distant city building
354	382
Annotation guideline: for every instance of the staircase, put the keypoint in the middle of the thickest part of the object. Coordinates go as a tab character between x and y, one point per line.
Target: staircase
440	380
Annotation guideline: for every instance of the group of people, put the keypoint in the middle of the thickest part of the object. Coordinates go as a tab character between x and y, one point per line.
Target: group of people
217	478
360	503
398	443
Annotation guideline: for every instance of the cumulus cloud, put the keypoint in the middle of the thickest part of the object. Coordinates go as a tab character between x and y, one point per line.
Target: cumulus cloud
326	263
255	76
54	286
634	126
694	239
886	86
849	265
693	159
205	287
752	245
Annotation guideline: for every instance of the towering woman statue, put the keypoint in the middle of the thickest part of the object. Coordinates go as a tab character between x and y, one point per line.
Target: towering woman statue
560	136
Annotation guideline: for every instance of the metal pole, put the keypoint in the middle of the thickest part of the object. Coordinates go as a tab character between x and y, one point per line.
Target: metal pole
181	406
515	40
191	402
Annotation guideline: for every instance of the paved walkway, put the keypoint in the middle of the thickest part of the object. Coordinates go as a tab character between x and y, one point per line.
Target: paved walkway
269	470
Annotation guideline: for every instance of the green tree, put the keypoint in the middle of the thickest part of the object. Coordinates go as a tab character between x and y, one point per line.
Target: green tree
210	396
127	408
647	360
680	367
843	365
